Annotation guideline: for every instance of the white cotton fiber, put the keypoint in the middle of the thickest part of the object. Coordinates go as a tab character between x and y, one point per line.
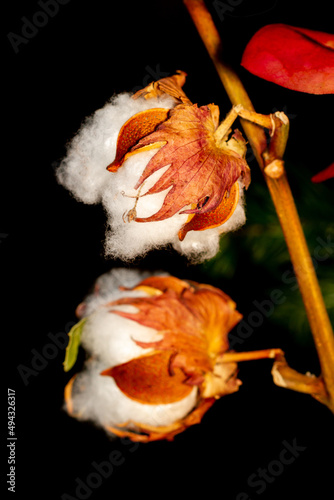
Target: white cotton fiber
115	342
129	239
83	172
109	341
97	398
108	336
107	288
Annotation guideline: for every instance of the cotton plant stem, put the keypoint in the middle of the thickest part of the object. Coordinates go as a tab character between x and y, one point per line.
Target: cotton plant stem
273	169
236	357
308	283
233	86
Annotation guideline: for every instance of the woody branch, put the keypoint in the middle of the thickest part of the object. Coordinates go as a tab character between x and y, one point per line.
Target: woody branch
270	161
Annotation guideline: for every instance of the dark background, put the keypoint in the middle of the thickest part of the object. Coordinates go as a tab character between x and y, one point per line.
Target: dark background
51	251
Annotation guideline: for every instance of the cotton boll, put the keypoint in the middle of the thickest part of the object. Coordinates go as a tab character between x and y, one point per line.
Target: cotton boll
83	172
97	398
155	393
109	340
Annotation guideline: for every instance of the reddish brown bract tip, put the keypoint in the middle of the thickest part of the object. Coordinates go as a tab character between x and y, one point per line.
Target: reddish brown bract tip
137	127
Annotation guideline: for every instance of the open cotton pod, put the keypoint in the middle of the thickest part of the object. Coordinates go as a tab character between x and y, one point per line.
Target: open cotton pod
155	355
166	171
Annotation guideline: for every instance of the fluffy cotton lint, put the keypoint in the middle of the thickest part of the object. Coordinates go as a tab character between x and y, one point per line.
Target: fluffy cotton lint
109	341
83	172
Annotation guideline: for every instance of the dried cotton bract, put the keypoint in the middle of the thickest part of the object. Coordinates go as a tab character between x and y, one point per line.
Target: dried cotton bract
163	170
155	355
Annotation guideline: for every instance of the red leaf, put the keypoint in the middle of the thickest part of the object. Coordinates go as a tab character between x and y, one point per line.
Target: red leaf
328	173
296	58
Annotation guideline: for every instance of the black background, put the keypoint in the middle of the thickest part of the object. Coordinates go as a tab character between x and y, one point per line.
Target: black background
51	250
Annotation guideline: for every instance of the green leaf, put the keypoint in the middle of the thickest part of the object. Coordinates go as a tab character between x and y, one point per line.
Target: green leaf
73	345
